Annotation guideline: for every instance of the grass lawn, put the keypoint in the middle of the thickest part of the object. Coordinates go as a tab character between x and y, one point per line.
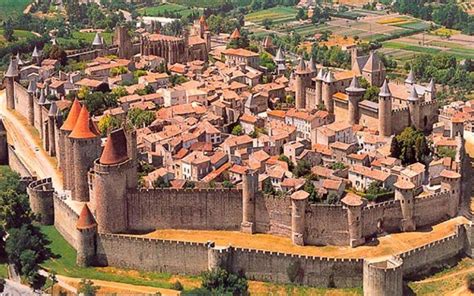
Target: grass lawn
3	271
168	7
10	8
275	14
415	48
85	37
19	34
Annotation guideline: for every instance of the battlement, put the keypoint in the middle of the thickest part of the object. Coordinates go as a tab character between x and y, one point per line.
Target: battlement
442	194
57	199
149	240
159	191
380	204
400	110
428	103
47	182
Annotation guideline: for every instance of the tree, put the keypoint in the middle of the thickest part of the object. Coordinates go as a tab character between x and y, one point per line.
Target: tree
285	158
87	288
227	184
178	286
237	130
332	199
301	14
108	123
413	146
338	166
302	168
446	152
160	182
395	150
266	61
140	118
268	187
120	91
313	195
58	53
8	30
221	282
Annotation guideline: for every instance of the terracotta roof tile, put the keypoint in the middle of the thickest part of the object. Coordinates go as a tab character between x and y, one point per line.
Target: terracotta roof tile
86	220
83	129
71	119
115	150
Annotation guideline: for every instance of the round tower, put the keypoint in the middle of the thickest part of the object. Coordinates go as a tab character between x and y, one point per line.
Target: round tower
414	108
31	92
298	207
384	277
451	182
3	144
40	195
110	183
354	93
328	91
10	77
85	141
249	188
430	94
319	87
36	57
303	80
53	109
219	257
385	110
65	157
354	205
87	228
405	194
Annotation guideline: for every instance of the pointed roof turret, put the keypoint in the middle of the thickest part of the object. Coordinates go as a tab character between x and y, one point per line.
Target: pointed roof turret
97	40
12	68
301	65
235	34
19	61
32	86
321	74
83	128
86	219
312	65
385	90
42	98
329	78
115	150
35	53
53	109
413	94
411	78
279	57
354	87
71	119
431	87
373	63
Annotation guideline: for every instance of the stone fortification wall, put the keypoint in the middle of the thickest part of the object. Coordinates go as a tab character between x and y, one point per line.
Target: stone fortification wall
326	224
400	119
214	209
385	216
65	220
17	164
432	209
273	215
151	254
22	99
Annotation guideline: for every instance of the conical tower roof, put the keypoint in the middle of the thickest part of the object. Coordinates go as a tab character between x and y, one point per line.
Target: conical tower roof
19	61
411	77
12	68
71	119
35	53
321	74
354	87
42	98
301	65
235	34
385	90
413	94
373	63
115	150
32	86
279	57
82	129
53	109
312	65
329	78
86	219
97	40
431	86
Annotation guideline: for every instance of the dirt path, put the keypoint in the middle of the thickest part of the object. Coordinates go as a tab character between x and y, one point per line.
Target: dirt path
444	277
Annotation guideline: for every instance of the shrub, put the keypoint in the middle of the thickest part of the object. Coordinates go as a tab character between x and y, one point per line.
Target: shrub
470	282
178	286
221	282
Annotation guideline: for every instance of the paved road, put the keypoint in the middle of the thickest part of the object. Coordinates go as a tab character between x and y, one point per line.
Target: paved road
33	156
15	289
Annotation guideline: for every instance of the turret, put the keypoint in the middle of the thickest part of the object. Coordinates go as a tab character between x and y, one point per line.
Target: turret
10	77
219	257
405	194
451	182
111	180
249	190
410	81
280	62
65	156
303	80
298	207
328	91
235	35
383	277
85	141
430	94
36	57
87	229
53	109
354	204
354	93
31	105
319	87
414	108
385	110
98	42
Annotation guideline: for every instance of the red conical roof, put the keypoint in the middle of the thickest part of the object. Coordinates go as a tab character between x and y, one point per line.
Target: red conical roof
115	150
71	119
202	19
83	128
235	34
86	220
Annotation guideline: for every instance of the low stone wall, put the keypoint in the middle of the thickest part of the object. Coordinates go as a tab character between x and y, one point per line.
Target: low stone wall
17	164
65	220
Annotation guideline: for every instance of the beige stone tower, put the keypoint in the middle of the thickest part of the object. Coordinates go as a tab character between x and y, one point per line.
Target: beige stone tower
384	277
53	109
319	87
451	182
354	205
87	228
414	108
354	93
298	207
32	87
249	190
405	194
385	110
328	91
303	80
10	77
431	91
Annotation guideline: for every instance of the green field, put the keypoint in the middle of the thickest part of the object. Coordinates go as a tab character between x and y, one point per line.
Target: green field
19	34
10	8
86	37
276	14
168	7
408	47
415	25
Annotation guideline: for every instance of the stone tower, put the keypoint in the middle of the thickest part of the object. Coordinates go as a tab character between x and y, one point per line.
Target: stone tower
298	206
249	190
385	110
65	157
53	109
32	88
85	141
451	182
10	77
383	278
36	56
124	42
40	194
113	176
405	194
354	205
430	94
87	228
303	80
354	93
3	144
280	62
219	257
319	87
328	91
414	108
410	81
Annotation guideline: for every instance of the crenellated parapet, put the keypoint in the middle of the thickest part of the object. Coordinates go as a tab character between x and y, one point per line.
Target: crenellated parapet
40	195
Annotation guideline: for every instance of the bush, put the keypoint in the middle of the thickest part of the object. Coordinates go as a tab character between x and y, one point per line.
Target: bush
178	286
470	282
219	282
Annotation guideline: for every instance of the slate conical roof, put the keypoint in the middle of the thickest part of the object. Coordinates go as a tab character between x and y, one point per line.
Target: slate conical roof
279	57
86	219
413	94
354	87
97	40
35	53
373	63
42	98
385	90
301	65
115	150
431	86
71	119
321	74
312	65
53	109
83	128
12	68
20	62
411	77
329	78
32	86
